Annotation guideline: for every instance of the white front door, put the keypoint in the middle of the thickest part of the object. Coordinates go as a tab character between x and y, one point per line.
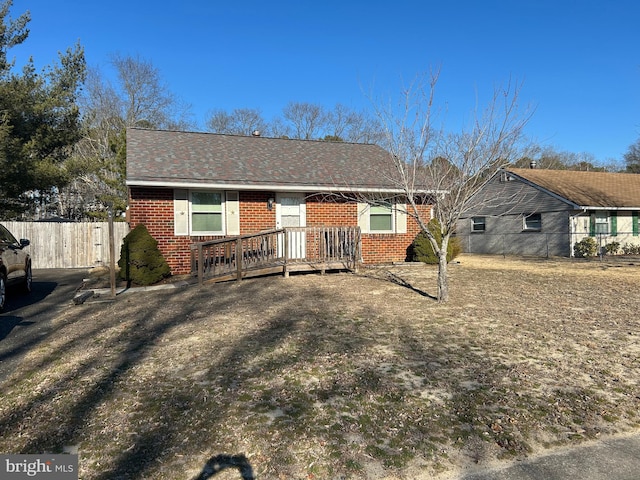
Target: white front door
291	212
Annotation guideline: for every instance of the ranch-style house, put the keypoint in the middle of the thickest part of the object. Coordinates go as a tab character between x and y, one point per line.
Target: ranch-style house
189	187
543	212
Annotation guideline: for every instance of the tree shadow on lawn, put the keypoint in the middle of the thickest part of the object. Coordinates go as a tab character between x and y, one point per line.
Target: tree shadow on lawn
303	332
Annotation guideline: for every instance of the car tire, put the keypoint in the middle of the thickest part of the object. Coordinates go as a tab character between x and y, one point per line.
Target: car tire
3	290
27	283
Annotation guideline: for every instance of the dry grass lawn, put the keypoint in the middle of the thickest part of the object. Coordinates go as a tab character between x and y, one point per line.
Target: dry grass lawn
338	376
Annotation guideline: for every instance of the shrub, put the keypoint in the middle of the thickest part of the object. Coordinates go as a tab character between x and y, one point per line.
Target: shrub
612	248
141	262
631	249
587	247
421	249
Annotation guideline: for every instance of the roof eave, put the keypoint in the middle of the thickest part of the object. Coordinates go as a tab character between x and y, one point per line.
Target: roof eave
270	187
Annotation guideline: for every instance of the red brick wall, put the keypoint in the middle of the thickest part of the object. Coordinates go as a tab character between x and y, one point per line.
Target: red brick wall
154	208
385	248
254	214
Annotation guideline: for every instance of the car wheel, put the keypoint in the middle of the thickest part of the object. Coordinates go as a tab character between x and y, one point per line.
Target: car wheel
28	280
3	290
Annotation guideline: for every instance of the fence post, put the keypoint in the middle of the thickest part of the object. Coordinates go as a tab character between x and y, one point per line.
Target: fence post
239	258
285	236
112	256
200	265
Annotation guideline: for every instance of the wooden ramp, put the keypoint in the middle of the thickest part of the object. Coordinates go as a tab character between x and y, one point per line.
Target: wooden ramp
282	251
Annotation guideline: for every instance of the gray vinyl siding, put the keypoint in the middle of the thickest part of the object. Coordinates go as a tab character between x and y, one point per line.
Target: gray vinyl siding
502	198
503	206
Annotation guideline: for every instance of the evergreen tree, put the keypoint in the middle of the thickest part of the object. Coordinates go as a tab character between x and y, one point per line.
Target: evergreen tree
39	121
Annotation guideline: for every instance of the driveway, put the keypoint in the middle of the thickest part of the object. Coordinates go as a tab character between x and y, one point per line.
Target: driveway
26	319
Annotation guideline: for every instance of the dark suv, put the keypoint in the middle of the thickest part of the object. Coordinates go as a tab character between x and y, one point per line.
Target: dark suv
15	264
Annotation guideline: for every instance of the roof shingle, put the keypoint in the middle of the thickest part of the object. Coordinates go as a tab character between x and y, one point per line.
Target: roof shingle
189	158
587	189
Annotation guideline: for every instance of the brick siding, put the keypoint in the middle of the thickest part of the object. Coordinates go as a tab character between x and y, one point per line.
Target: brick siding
154	208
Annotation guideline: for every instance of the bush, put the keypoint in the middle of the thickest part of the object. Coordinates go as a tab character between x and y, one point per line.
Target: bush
421	249
586	247
612	248
141	262
631	249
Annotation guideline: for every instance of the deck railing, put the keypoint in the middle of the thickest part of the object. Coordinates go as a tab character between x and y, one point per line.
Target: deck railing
287	249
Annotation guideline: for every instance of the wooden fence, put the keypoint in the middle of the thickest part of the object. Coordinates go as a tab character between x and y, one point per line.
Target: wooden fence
69	244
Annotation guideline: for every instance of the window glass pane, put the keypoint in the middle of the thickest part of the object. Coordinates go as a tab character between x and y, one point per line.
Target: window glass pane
380	222
380	209
207	222
5	236
478	224
602	222
533	222
206	201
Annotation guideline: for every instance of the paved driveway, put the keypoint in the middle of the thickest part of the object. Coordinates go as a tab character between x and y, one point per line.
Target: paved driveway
26	319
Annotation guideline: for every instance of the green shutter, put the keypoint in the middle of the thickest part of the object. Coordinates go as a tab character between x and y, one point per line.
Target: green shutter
613	219
592	225
634	219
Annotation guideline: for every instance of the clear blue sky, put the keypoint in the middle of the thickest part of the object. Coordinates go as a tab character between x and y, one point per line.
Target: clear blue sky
579	60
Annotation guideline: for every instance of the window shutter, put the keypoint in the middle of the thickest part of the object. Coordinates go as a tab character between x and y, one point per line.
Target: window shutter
592	225
232	213
401	218
363	217
180	212
634	221
613	218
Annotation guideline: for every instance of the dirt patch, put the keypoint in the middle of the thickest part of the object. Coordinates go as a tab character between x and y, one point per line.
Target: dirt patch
336	376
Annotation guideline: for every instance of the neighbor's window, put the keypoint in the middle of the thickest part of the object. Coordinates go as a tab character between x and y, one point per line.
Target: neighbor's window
601	222
478	224
380	218
533	222
206	212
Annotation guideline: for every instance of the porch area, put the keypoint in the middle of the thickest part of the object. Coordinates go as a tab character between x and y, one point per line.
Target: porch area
291	249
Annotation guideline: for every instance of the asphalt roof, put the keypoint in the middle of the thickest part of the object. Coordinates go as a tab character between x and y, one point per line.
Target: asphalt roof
587	189
171	158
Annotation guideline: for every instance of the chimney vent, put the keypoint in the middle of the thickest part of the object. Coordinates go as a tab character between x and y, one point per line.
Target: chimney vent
533	164
256	133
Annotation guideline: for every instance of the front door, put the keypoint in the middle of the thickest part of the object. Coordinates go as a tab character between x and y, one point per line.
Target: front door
291	213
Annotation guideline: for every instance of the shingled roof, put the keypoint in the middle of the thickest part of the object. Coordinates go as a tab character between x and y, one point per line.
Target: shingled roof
189	159
587	189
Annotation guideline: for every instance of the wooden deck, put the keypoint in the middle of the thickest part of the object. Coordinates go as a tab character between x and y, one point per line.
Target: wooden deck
282	251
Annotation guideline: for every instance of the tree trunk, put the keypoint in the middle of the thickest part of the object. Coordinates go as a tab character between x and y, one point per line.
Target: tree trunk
443	279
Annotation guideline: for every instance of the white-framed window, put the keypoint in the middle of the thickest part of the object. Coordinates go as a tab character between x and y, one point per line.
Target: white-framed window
478	224
601	222
380	219
387	217
205	212
532	222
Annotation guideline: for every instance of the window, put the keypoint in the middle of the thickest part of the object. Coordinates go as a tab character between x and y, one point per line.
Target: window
533	222
381	218
206	212
478	224
387	218
600	223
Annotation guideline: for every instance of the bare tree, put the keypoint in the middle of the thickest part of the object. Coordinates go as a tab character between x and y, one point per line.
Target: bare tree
307	119
137	98
242	121
444	170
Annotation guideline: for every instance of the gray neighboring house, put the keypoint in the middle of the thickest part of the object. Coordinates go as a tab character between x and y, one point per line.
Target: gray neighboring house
545	212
